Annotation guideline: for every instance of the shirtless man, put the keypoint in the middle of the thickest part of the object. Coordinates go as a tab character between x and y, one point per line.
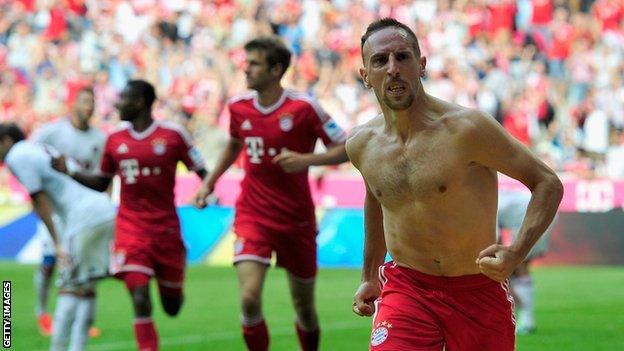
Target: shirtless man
430	169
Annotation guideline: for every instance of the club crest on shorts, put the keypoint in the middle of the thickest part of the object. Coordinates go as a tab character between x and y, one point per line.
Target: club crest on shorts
159	146
117	261
238	246
286	123
380	333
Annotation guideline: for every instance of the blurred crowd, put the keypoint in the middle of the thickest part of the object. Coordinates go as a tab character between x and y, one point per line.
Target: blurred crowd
550	71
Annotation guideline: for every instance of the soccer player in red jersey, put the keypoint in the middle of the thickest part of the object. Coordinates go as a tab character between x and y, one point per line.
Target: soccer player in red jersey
278	129
148	243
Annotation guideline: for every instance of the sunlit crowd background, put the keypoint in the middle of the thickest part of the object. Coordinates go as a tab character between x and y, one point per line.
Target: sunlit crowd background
550	71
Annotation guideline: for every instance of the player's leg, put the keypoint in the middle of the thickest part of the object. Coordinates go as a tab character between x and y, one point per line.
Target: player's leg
404	318
43	283
83	318
296	252
524	292
137	284
66	304
307	325
477	314
131	261
169	270
251	276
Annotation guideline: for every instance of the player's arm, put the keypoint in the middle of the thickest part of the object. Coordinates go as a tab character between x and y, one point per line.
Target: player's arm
374	255
41	206
491	146
374	243
226	159
93	181
292	161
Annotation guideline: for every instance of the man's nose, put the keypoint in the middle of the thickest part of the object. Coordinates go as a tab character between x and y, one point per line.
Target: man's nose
393	67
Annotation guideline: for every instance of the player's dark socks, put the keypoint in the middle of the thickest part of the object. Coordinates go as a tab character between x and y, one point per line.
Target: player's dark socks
309	340
256	337
145	333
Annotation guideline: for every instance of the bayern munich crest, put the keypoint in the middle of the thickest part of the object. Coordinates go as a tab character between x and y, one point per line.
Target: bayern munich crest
286	123
160	146
380	334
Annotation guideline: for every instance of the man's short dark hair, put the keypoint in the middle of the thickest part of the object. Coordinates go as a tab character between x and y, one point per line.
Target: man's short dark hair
144	90
12	131
86	89
385	23
275	51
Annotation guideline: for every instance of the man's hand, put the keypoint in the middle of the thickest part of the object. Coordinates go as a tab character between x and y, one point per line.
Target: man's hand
62	256
365	296
498	262
201	198
59	163
291	161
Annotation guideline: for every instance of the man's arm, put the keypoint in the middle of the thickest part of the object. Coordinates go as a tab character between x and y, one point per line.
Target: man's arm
494	148
96	182
227	158
41	205
374	255
292	161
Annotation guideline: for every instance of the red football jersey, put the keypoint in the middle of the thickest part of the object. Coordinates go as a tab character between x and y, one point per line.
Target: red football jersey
146	163
269	195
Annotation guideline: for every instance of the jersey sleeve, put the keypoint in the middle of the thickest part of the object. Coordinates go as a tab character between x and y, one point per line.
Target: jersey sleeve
44	135
27	168
324	126
108	167
234	123
189	155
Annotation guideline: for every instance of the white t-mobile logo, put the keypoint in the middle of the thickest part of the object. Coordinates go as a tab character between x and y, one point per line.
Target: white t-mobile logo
255	149
129	170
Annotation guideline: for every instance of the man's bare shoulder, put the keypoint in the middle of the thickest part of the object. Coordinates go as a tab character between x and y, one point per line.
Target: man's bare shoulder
467	122
361	135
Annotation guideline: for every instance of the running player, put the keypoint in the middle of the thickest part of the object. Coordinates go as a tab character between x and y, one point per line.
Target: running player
78	140
430	169
81	241
145	153
278	129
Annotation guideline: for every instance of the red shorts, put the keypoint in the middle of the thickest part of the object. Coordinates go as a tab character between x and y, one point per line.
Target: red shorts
418	312
295	250
162	257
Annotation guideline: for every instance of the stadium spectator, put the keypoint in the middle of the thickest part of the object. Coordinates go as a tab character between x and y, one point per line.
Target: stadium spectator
278	129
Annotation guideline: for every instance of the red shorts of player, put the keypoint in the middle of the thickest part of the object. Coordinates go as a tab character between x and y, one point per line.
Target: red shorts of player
295	250
420	312
162	256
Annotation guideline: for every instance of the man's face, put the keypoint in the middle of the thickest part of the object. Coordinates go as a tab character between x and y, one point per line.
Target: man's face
257	71
128	105
5	145
392	67
84	106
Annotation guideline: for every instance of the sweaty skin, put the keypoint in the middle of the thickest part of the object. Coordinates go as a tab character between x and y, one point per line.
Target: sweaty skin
430	169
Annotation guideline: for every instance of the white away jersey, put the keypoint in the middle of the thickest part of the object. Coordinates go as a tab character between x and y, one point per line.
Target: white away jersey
84	147
74	203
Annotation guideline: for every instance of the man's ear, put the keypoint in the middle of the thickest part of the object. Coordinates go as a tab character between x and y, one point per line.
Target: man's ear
364	76
277	69
423	65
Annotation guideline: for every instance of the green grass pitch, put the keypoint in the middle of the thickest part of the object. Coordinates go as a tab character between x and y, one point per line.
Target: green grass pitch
578	308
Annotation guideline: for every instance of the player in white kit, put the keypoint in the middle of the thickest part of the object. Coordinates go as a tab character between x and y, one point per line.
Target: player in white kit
512	206
75	138
81	241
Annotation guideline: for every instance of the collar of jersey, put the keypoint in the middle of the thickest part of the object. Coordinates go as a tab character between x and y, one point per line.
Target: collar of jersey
269	109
